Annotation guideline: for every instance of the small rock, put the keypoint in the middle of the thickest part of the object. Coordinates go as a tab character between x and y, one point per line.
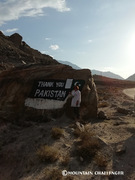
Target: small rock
120	149
67	146
123	111
102	115
80	126
81	159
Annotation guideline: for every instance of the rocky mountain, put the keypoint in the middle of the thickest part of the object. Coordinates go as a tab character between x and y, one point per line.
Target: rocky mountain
14	52
102	80
94	72
131	78
106	74
74	66
26	66
39	136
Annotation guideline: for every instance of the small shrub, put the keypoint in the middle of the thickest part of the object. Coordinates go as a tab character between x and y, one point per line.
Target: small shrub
54	174
89	148
83	134
77	132
57	132
66	160
88	145
86	135
47	153
101	160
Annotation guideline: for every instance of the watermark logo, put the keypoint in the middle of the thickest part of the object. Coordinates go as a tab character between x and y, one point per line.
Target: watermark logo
76	173
89	173
64	172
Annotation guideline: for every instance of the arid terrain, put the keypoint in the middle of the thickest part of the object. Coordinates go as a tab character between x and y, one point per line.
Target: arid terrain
43	147
38	150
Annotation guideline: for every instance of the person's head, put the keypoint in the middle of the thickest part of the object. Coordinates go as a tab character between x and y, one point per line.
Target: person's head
76	88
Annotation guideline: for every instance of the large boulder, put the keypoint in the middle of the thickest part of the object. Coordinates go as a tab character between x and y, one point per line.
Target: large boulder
21	97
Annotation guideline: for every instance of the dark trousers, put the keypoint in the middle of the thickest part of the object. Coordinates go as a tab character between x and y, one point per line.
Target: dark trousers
76	112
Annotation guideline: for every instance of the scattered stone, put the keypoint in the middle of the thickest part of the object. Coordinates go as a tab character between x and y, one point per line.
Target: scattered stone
133	115
120	123
102	115
120	149
53	119
67	146
123	111
102	141
127	103
80	126
81	159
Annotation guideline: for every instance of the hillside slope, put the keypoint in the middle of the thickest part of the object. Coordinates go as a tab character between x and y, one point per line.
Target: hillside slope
15	52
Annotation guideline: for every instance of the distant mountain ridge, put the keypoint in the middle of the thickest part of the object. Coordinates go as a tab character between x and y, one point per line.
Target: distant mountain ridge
94	72
107	74
14	52
74	66
131	78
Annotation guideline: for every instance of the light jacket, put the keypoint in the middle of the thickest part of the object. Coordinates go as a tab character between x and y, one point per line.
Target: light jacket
76	98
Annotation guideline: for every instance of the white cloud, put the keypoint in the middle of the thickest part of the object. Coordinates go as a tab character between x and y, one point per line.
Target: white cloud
90	41
54	47
47	39
14	9
11	30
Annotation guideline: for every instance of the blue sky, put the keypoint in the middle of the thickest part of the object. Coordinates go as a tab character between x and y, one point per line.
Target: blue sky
93	34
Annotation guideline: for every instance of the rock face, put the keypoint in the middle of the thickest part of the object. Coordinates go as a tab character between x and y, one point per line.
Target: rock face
16	86
16	39
22	67
14	52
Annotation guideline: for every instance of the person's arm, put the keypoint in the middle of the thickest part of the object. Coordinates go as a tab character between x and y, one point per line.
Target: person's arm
73	93
77	102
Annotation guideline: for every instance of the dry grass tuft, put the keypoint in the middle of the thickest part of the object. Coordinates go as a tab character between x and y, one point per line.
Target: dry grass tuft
89	148
65	160
48	153
86	135
89	145
101	160
57	132
54	174
77	132
83	134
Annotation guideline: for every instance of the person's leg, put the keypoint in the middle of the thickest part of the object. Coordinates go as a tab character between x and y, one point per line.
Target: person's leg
76	111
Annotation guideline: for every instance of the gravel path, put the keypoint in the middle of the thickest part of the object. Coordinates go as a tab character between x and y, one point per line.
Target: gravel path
130	92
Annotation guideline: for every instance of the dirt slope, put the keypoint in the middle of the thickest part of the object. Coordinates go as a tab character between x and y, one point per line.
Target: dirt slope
20	143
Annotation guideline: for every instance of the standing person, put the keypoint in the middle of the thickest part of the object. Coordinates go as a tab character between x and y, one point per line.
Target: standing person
76	100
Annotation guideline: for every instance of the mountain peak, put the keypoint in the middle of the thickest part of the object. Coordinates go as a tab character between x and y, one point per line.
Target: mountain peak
14	52
131	78
107	74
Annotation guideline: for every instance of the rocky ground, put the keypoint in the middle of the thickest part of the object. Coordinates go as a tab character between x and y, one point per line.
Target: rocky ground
32	150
